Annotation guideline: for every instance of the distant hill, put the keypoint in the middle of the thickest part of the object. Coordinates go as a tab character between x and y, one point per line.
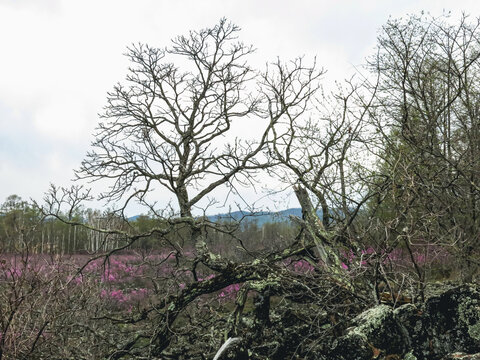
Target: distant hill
260	218
133	218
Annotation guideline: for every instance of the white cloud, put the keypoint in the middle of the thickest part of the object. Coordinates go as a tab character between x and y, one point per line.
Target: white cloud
63	119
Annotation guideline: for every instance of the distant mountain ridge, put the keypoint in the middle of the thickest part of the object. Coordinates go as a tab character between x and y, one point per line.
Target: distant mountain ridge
261	217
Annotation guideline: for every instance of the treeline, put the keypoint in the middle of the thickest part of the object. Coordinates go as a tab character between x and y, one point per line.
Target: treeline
23	226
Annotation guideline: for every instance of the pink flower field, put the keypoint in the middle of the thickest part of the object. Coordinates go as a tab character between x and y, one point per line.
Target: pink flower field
39	293
127	280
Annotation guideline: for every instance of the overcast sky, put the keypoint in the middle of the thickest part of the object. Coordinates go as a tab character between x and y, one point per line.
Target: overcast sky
59	58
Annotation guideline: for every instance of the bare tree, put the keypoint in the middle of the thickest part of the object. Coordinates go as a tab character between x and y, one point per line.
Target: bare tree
166	128
322	149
